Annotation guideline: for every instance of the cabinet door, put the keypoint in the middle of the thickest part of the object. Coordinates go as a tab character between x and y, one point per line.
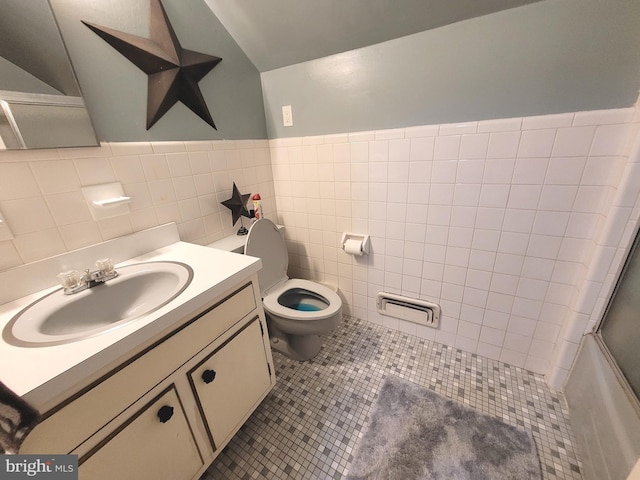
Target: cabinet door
230	382
155	443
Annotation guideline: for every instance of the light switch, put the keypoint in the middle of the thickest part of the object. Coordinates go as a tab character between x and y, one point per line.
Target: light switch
287	116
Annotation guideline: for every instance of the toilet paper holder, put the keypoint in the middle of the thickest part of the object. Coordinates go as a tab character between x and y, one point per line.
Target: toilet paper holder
363	239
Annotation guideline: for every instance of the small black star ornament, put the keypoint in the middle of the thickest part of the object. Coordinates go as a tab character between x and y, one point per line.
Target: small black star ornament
174	72
237	204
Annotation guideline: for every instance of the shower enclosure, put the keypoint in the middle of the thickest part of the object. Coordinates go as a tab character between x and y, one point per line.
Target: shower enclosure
620	329
604	385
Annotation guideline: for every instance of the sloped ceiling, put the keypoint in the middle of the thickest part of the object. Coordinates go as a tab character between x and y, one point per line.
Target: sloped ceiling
277	33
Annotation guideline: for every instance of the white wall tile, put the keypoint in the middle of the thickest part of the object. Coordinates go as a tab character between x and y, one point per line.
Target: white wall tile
492	336
526	307
500	125
127	169
489	218
565	170
600	170
27	215
469	171
482	260
43	243
457	128
492	195
130	148
532	289
500	302
539	268
499	170
550	223
506	284
548	121
441	194
557	197
17	181
421	131
486	240
604	117
530	171
537	143
517	343
9	256
513	243
544	246
522	326
462	216
399	150
516	220
67	208
508	263
453	215
422	149
612	139
474	146
446	147
56	176
466	195
503	144
489	351
573	141
590	199
379	151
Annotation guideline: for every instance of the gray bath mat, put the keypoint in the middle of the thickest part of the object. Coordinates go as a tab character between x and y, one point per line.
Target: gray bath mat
414	433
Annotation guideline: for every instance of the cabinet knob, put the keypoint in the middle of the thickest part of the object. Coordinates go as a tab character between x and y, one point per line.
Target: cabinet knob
208	376
165	413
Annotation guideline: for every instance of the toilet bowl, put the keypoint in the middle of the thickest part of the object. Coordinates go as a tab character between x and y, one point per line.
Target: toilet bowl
298	311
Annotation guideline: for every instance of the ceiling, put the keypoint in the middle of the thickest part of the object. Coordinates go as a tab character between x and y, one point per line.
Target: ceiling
278	33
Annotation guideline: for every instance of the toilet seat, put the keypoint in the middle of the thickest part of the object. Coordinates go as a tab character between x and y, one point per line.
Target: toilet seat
270	301
265	241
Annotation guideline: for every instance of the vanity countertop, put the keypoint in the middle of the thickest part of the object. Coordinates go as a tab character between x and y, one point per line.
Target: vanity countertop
44	375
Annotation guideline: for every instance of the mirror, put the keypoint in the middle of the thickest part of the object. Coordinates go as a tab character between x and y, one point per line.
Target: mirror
41	105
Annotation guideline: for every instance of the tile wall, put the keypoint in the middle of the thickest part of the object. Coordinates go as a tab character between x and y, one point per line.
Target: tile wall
495	220
182	182
517	227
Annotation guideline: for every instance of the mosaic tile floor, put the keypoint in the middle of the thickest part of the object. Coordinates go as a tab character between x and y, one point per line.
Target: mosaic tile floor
309	425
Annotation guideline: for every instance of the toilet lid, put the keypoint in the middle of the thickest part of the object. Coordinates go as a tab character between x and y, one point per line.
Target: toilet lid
265	241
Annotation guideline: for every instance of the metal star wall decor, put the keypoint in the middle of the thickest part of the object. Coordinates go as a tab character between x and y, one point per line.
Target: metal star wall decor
237	204
174	72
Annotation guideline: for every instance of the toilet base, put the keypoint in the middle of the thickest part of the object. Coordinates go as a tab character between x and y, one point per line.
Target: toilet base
296	347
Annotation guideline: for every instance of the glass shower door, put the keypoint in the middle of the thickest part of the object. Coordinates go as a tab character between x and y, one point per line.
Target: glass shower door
620	329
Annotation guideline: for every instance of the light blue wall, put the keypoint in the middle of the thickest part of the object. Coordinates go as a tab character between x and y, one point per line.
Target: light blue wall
548	57
116	90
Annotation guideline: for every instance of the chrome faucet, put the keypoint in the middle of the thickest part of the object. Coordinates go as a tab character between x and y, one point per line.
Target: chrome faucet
74	283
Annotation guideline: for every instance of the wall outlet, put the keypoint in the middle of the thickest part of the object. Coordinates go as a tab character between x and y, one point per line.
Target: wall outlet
287	116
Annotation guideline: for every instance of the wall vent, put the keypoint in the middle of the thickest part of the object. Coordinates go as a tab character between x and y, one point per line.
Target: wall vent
410	309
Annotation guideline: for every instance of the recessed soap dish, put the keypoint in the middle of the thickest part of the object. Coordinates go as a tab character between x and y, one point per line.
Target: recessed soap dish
110	202
107	200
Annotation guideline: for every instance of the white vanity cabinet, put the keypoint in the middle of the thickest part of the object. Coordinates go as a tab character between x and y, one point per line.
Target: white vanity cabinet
229	380
155	443
168	410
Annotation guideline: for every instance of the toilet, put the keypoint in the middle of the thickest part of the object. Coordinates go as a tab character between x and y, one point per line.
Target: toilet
298	311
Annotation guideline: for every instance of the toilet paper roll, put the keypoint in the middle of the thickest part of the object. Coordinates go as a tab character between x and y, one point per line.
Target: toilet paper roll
353	247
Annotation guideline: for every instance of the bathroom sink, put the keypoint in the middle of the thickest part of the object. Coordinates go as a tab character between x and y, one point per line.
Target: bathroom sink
138	290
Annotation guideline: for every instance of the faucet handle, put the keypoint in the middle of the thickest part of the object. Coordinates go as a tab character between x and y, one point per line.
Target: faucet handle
105	265
69	278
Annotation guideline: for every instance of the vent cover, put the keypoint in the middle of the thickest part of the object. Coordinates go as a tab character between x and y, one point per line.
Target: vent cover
410	309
